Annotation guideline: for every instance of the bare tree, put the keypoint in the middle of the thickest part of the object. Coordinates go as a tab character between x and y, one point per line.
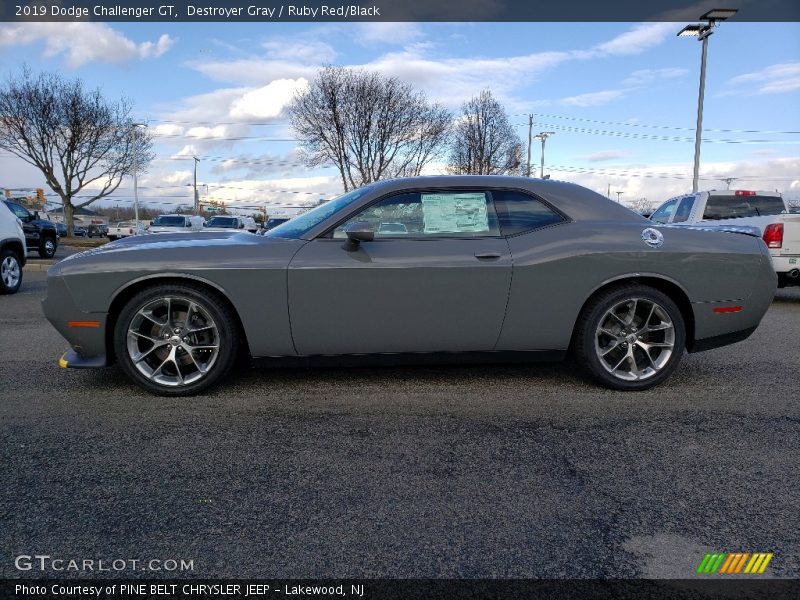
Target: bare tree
641	206
77	139
484	142
368	125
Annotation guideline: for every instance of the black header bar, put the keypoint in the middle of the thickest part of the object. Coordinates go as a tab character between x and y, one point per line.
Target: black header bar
264	11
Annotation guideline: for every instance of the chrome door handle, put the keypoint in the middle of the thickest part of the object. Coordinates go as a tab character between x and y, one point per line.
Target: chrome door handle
480	255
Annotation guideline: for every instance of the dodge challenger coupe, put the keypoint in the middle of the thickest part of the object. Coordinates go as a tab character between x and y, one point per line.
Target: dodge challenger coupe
454	269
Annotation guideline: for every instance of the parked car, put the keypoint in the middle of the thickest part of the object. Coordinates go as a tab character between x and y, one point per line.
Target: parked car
125	229
226	223
588	275
40	234
273	222
97	230
766	212
79	231
13	253
176	224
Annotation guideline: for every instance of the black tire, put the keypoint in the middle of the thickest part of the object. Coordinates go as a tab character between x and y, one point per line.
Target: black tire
47	246
635	338
10	272
216	310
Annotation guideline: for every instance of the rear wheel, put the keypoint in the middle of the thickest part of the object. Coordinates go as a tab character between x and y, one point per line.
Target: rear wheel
176	339
630	337
10	272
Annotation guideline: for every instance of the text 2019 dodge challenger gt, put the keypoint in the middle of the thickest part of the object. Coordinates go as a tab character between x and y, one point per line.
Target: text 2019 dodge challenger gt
442	268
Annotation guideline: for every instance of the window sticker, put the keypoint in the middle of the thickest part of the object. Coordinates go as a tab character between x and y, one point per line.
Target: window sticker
455	213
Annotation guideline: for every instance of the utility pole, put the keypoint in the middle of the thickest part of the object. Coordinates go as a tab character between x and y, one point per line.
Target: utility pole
728	181
530	133
136	180
608	193
618	195
543	135
196	196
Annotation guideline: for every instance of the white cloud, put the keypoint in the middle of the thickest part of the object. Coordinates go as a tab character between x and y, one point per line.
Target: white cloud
642	37
81	43
151	50
774	79
268	101
593	98
387	33
603	155
304	51
648	76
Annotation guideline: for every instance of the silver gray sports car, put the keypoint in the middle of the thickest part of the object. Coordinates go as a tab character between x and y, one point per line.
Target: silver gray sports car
433	268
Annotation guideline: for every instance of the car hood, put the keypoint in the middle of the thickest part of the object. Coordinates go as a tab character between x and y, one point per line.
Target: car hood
161	246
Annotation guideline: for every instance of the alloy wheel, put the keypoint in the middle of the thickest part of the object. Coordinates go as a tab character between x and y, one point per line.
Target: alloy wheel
173	341
10	272
635	339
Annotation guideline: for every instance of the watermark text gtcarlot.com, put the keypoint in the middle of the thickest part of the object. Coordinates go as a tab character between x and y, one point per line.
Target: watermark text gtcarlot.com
49	564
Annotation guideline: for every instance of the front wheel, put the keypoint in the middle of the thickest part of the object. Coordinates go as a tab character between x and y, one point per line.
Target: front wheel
630	337
10	272
176	339
47	248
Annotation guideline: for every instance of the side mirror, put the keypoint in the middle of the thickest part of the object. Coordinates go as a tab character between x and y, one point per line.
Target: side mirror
35	215
360	231
241	225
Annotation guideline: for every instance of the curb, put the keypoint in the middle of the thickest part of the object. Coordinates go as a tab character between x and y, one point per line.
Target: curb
39	265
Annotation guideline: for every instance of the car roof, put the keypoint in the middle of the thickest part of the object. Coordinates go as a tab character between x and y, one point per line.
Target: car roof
577	202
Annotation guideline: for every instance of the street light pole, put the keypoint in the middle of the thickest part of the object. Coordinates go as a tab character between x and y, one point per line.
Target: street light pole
618	195
543	135
530	132
196	197
703	32
698	133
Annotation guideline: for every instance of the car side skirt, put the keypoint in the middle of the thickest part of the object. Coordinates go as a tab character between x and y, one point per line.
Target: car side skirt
410	358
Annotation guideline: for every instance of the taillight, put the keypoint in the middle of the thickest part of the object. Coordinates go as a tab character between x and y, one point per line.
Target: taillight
744	193
773	235
130	231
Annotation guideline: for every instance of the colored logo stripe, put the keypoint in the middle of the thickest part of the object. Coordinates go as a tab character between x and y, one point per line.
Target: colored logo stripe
735	562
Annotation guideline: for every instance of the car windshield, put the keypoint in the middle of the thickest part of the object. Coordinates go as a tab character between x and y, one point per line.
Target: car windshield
168	221
222	222
298	226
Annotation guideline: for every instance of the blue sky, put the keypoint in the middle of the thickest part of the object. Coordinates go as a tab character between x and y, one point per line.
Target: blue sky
610	91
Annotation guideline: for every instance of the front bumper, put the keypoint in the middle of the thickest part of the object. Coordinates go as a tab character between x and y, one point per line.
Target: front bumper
85	331
72	360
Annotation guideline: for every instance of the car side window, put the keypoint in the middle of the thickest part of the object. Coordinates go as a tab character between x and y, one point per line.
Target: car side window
519	212
428	214
684	210
18	211
664	212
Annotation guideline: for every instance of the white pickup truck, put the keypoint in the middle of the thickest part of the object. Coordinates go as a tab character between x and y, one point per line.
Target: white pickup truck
226	223
765	211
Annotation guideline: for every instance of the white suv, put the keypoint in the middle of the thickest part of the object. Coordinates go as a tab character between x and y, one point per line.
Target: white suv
12	251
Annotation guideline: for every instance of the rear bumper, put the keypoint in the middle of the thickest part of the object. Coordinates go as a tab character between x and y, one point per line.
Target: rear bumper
721	340
785	263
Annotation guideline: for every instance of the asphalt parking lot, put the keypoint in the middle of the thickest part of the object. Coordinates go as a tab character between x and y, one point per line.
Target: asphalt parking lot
497	471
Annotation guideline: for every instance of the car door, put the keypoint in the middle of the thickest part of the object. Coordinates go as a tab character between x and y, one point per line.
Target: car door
436	277
28	227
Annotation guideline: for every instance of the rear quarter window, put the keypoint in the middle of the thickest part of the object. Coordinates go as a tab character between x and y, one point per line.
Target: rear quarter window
519	212
733	207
